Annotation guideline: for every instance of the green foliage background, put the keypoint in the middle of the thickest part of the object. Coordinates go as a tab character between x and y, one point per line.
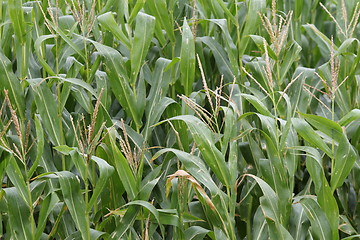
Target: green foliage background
179	119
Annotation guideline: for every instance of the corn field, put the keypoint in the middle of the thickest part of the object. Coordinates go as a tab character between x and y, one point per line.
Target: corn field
180	119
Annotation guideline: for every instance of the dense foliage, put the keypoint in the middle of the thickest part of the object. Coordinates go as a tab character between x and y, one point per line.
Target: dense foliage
179	119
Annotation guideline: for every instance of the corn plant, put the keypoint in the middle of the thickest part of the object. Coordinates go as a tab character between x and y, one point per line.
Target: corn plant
191	119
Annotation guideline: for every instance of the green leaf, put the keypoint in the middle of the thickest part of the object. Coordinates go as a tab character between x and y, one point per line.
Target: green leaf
330	128
47	108
204	139
299	224
260	228
40	54
119	81
70	188
21	222
144	31
345	157
187	59
108	22
152	209
271	206
221	58
40	146
68	40
252	22
308	133
322	41
259	41
345	154
135	10
349	117
124	171
9	81
320	227
105	171
259	105
47	206
17	18
196	232
64	149
16	177
344	47
195	166
291	55
94	235
159	8
230	46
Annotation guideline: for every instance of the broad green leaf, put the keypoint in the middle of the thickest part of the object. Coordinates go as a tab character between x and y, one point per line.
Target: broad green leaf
17	18
259	41
80	83
123	168
330	128
230	133
345	157
119	80
314	165
126	222
156	100
259	105
21	223
227	12
291	55
70	188
349	117
79	161
230	45
204	139
105	171
135	11
329	205
132	211
344	47
270	200
46	208
40	146
187	59
94	235
299	223
320	227
322	41
68	40
308	133
352	237
108	22
21	18
16	177
144	31
277	231
252	22
9	81
151	208
64	149
159	10
260	228
326	199
195	232
270	206
47	108
195	166
221	58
